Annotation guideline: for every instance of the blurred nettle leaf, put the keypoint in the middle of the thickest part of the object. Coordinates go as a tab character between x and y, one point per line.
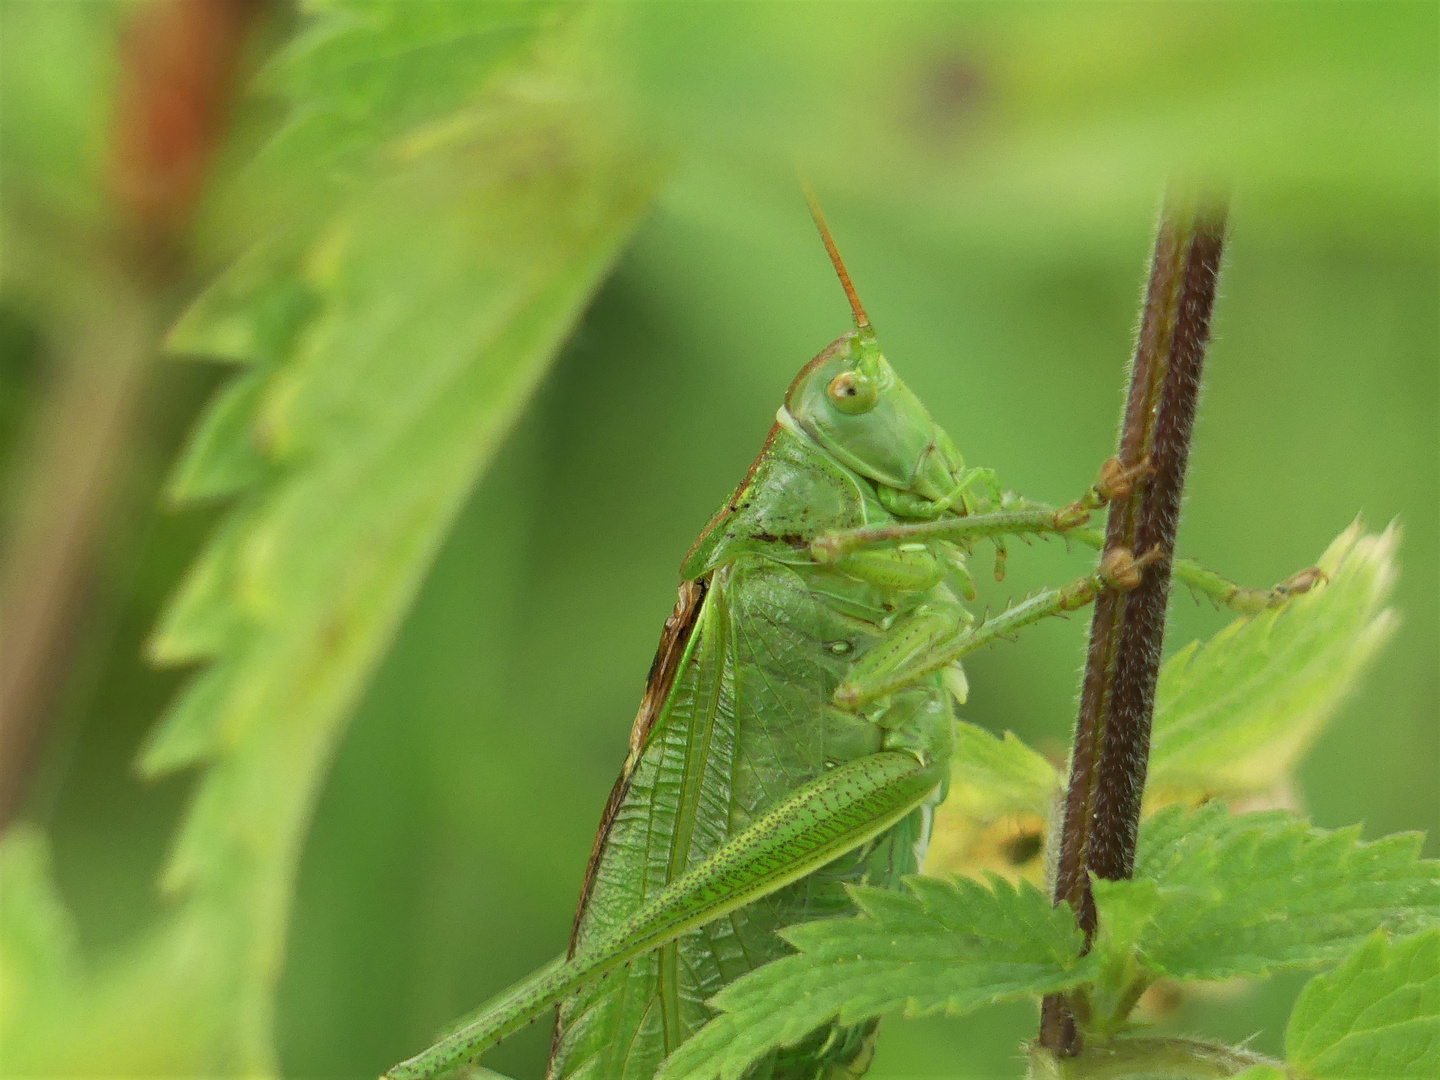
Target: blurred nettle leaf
995	818
1375	1017
369	85
39	948
1234	716
478	187
1217	896
53	127
944	947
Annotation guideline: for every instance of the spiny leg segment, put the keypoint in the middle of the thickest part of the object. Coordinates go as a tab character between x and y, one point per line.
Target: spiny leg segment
1023	517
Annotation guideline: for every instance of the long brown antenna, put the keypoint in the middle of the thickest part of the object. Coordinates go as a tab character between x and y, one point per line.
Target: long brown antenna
862	321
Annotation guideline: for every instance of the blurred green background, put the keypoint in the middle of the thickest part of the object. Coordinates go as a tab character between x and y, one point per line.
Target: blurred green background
992	173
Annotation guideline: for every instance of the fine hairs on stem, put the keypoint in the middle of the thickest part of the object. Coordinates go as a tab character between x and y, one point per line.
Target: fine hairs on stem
1112	727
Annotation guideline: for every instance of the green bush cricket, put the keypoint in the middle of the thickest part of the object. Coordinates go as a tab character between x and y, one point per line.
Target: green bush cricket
796	726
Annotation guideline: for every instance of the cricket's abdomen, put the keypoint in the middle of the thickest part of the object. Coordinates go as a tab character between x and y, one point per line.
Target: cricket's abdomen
748	719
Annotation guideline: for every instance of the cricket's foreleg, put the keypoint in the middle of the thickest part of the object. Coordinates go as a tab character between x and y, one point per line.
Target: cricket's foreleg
1240	599
914	647
833	548
907	504
1019	518
848	806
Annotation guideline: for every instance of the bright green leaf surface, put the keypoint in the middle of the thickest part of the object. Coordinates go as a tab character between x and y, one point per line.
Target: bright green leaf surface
945	946
1232	716
1217	896
1375	1017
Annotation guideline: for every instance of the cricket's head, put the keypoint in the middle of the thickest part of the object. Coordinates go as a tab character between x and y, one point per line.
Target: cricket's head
850	401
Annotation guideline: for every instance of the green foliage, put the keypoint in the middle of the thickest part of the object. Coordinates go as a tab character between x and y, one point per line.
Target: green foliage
393	334
1375	1017
1153	1058
1217	896
993	171
1233	716
1214	896
945	946
369	85
54	117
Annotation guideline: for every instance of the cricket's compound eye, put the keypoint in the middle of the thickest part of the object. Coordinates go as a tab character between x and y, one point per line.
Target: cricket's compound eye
853	392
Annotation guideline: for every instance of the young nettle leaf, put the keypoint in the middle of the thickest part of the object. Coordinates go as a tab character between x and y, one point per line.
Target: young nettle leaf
995	817
944	946
1375	1017
1219	896
1232	716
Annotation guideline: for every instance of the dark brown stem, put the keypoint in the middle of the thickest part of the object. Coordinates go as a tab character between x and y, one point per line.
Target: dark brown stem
1112	727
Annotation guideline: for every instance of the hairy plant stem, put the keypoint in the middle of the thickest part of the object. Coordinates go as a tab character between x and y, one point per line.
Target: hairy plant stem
1112	727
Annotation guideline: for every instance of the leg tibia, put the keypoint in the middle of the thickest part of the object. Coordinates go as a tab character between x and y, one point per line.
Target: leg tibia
1239	598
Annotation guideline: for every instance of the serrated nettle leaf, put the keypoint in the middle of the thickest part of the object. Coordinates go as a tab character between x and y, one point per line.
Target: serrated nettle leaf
1244	895
397	328
947	946
995	817
1120	973
221	458
1375	1017
362	75
250	314
189	731
1232	716
203	619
